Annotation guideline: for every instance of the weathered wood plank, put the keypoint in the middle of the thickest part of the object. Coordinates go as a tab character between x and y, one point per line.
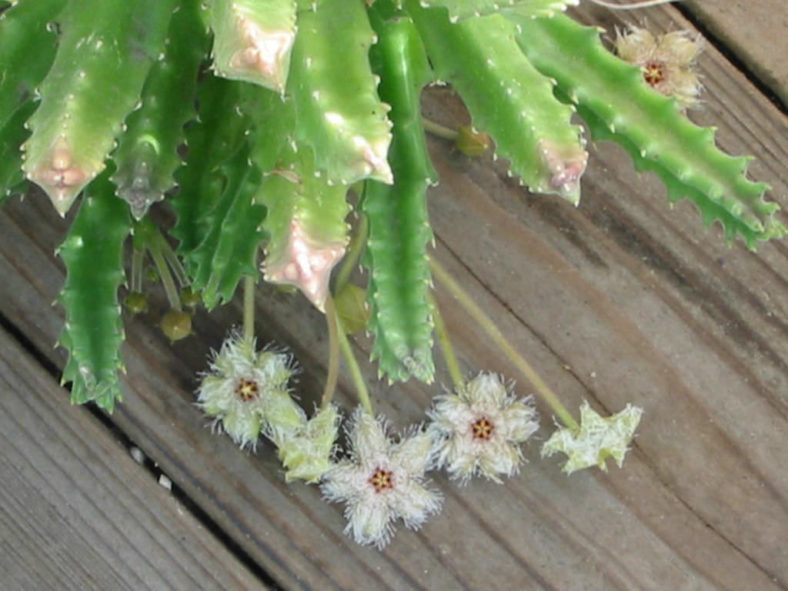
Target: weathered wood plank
288	529
77	512
618	300
739	23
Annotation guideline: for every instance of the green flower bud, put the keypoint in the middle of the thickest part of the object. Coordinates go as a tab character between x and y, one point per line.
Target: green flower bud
189	298
176	325
598	438
352	308
306	453
471	142
136	302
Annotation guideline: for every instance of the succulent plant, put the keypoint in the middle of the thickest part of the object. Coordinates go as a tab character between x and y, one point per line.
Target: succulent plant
253	120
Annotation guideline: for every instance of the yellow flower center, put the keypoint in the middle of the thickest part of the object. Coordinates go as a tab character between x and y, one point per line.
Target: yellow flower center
381	480
247	390
482	428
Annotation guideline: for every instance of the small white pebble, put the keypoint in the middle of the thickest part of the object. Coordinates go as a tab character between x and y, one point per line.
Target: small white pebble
165	482
137	454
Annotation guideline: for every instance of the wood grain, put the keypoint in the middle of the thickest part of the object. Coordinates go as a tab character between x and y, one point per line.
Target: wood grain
621	299
756	32
77	512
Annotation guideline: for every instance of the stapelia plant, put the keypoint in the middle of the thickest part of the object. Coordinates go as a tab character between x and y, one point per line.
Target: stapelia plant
262	124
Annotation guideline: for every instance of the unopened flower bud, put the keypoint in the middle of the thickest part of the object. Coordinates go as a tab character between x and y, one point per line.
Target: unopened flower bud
352	309
597	439
306	453
136	302
471	142
151	274
176	325
189	298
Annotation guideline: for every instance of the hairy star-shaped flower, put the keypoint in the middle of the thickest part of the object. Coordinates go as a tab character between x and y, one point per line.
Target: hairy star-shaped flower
479	429
246	391
667	61
598	438
381	481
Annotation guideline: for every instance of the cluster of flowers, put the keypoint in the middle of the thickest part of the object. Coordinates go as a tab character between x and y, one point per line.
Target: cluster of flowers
476	431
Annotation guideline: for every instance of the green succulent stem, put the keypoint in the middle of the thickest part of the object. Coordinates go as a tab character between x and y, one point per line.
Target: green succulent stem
93	332
447	348
400	230
495	334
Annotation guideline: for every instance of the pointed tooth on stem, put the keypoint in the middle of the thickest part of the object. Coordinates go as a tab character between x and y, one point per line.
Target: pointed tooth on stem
566	168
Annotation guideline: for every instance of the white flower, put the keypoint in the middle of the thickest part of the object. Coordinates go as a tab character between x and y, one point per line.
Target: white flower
478	430
306	452
246	391
381	482
598	438
667	61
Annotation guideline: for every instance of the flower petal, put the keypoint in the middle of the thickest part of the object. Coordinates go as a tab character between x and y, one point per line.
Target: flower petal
414	504
370	523
368	437
485	392
518	421
343	482
637	46
678	48
413	454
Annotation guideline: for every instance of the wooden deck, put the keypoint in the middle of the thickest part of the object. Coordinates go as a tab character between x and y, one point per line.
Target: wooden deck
620	300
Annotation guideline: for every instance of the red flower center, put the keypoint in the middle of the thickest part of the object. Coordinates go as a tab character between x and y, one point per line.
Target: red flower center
654	73
482	428
247	390
382	480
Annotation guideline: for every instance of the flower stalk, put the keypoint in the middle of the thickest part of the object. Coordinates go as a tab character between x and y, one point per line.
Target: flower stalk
248	308
353	255
447	348
137	257
439	130
170	289
332	376
495	334
355	371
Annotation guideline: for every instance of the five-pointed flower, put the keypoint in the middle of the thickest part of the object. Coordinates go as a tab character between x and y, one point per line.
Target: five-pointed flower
598	438
479	429
667	61
381	481
246	391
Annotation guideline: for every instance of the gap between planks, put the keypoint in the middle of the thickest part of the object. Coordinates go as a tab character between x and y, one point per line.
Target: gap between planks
78	512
